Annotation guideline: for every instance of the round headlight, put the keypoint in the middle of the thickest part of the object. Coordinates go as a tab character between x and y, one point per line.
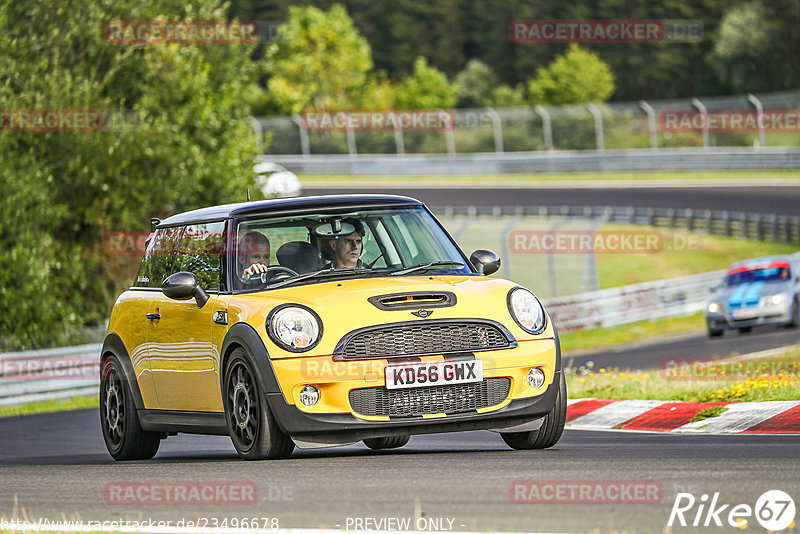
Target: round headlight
294	328
526	310
714	307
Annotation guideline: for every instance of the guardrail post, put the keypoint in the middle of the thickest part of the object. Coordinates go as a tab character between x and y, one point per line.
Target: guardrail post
301	125
598	126
547	128
773	219
762	140
651	122
787	233
497	128
689	214
759	228
726	224
671	218
744	225
704	112
709	222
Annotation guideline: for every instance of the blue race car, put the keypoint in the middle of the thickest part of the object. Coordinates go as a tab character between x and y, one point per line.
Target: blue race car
755	292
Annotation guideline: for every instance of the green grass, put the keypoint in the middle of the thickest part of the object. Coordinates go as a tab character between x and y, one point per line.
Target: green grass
603	338
58	405
562	177
714	411
750	383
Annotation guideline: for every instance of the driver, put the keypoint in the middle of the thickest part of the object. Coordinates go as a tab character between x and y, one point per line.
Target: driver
347	248
253	255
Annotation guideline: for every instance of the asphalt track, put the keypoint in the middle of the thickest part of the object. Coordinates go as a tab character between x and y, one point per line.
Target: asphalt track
55	466
780	200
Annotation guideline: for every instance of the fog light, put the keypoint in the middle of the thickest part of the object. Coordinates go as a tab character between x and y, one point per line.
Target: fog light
309	396
535	378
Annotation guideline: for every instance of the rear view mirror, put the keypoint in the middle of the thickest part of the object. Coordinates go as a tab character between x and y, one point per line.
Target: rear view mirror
334	228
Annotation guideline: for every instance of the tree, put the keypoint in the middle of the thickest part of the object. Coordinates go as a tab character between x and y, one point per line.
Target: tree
577	77
319	60
425	88
184	144
474	85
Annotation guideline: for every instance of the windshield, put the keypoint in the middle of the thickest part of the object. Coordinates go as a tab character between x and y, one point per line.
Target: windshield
768	274
406	241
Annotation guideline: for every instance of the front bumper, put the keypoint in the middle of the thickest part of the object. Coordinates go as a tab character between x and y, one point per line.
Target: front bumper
333	421
758	315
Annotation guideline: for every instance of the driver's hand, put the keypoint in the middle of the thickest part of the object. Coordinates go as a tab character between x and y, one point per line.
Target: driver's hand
253	270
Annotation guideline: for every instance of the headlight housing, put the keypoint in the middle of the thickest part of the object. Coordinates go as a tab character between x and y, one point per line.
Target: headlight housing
526	310
714	307
294	327
775	300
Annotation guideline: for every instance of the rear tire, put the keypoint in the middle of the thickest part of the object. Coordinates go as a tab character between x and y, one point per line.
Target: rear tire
123	434
550	432
391	442
251	426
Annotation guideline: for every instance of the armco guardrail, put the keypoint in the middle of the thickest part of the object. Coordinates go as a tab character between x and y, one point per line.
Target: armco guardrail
757	226
673	297
627	160
48	374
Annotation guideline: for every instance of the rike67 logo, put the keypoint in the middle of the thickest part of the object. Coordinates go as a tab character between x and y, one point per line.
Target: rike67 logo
774	510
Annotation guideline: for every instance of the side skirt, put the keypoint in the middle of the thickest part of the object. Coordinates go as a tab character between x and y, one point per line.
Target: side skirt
186	422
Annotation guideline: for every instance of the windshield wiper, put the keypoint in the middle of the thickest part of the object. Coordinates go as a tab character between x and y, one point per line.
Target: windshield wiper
420	266
322	273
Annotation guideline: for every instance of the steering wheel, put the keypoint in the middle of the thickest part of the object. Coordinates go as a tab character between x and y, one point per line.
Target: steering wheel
273	273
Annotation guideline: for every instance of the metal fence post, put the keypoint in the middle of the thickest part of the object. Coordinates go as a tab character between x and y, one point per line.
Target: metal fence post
497	128
301	125
651	122
351	140
259	132
398	138
598	126
762	140
704	112
546	126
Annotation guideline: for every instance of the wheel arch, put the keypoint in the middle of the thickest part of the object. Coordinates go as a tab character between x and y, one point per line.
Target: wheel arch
113	345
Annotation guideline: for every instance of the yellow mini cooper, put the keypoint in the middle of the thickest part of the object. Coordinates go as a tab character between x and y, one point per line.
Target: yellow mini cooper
324	321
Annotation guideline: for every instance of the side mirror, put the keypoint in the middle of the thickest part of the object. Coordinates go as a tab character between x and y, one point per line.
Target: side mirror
183	286
485	261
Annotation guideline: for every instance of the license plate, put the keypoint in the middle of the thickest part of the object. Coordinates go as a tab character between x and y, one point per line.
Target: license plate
414	375
748	313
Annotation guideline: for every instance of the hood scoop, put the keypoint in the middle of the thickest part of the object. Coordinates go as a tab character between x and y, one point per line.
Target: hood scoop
414	300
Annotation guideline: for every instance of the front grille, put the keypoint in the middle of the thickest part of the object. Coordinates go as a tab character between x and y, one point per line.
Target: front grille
430	338
449	398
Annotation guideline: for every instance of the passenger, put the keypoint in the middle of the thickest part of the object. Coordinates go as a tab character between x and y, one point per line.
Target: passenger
347	249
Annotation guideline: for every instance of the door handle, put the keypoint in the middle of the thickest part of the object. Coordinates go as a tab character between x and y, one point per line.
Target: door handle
153	316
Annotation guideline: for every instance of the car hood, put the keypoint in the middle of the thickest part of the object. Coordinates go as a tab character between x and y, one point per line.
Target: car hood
344	305
750	293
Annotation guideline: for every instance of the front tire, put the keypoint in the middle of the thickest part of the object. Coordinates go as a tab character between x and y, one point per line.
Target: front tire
745	329
550	432
251	426
391	442
124	437
794	320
